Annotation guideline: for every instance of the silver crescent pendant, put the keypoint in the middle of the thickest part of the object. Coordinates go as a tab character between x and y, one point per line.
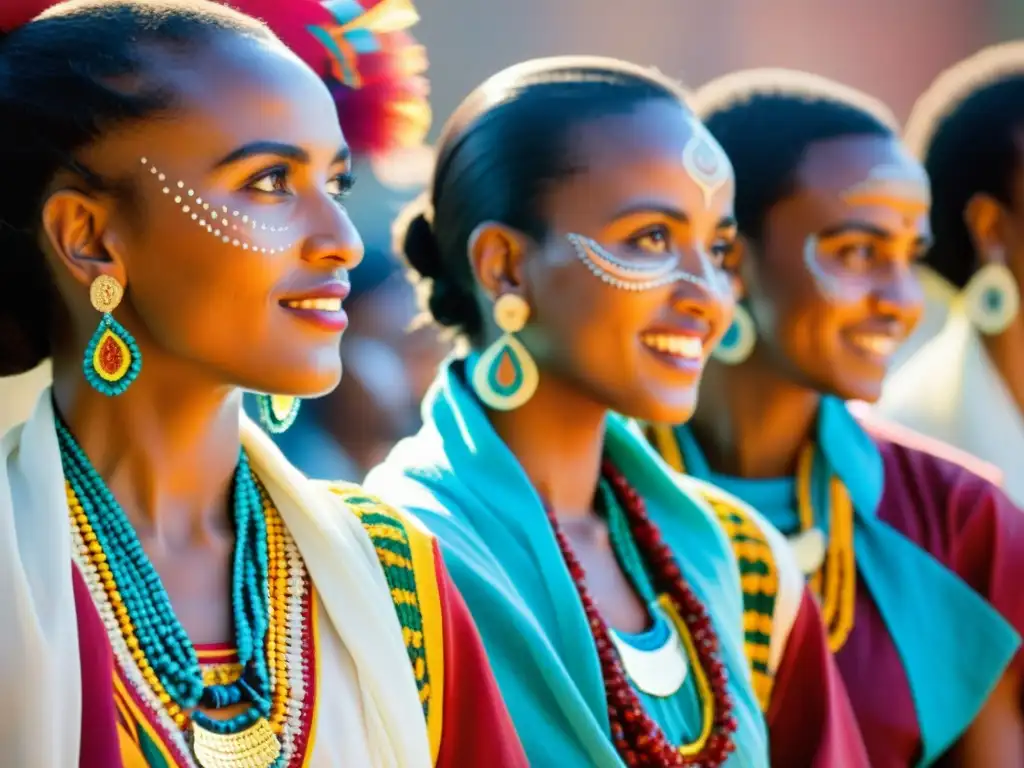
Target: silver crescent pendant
660	672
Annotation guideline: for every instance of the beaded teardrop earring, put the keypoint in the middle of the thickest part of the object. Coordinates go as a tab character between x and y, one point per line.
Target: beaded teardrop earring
505	376
112	358
277	412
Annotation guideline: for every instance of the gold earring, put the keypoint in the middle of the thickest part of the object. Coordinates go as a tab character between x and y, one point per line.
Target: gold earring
112	358
277	412
505	376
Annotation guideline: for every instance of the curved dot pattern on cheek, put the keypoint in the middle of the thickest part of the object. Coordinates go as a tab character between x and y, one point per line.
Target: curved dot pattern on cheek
609	268
230	227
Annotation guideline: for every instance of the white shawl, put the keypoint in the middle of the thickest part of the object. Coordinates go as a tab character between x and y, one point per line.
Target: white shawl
951	391
40	719
18	395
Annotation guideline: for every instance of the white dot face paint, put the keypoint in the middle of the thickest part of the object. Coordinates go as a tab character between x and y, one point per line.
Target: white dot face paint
707	166
647	273
231	227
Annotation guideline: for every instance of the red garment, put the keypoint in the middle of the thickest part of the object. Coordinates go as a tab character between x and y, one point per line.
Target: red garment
100	746
811	721
477	729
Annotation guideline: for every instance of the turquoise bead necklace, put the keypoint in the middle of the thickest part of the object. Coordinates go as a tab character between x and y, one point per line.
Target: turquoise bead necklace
160	636
623	546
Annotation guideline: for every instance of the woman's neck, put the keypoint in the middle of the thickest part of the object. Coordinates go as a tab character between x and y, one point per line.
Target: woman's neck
751	422
1006	351
558	437
167	448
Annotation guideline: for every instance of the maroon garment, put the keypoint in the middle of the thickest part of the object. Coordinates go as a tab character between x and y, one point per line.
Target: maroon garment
967	524
811	723
100	744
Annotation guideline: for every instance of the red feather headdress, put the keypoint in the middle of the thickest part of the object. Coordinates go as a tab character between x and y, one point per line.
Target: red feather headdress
375	69
373	66
14	14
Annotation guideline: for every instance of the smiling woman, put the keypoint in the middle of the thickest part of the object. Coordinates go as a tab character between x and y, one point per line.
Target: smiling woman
575	236
375	72
911	555
175	594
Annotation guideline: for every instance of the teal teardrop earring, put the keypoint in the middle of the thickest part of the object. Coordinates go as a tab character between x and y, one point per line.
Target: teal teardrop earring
738	342
277	412
505	376
112	358
991	298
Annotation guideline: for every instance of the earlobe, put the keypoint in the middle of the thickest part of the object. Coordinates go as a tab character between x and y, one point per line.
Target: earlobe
739	291
736	265
984	219
496	254
75	228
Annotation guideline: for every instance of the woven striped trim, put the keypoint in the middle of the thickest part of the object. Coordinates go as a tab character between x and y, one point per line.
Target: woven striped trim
394	550
759	578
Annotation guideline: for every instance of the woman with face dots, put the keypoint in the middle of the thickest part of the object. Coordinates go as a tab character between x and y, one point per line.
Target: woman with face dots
173	594
376	74
573	237
914	557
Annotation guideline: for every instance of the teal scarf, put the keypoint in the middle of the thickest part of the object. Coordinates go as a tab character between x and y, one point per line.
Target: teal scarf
953	644
458	477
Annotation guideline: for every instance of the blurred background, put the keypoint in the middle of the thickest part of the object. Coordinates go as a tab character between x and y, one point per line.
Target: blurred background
890	49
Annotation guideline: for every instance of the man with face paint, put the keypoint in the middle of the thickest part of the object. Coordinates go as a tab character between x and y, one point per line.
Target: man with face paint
966	386
917	560
578	203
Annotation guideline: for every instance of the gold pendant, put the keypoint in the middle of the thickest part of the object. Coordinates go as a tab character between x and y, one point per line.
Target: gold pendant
255	747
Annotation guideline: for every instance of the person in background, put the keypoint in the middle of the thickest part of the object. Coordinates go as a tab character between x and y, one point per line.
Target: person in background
388	368
573	237
966	386
917	560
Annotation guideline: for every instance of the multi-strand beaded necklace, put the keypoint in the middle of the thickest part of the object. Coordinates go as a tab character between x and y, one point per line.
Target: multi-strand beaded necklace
638	739
273	612
834	579
829	564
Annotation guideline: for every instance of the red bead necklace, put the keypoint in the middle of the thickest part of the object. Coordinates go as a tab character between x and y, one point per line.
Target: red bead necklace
638	739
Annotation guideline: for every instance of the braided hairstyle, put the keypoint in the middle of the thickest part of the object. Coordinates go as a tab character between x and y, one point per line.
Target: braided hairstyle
766	119
501	149
67	77
964	129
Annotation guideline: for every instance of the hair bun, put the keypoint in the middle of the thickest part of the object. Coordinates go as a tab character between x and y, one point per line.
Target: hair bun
25	323
450	304
418	243
20	349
